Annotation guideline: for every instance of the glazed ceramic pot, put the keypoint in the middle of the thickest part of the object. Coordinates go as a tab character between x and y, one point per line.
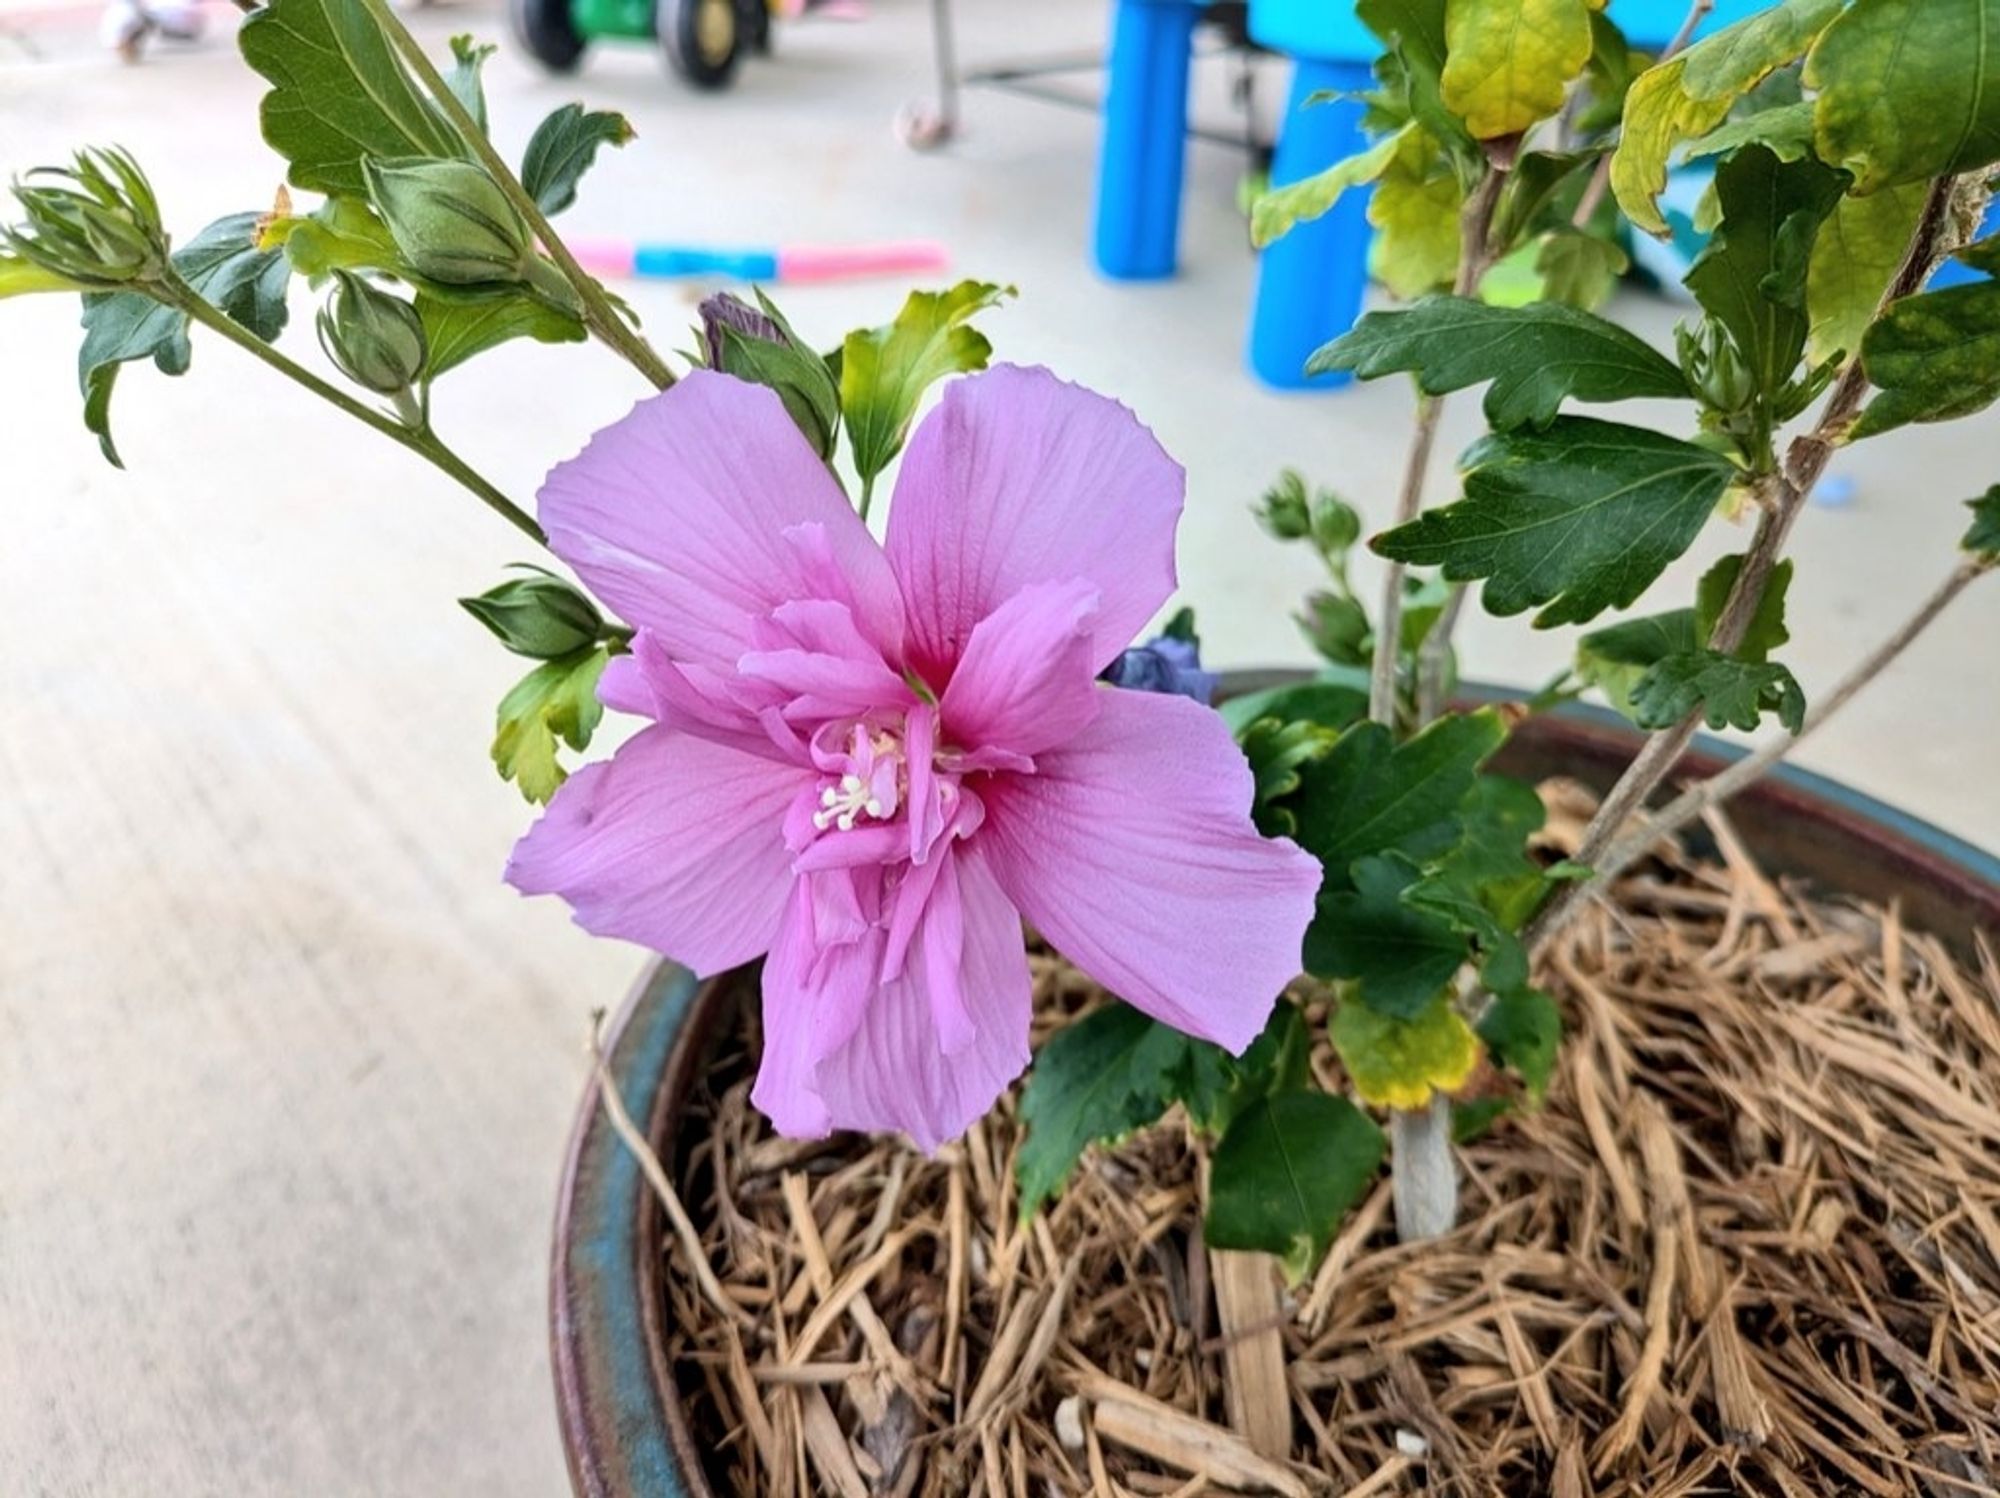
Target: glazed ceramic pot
623	1425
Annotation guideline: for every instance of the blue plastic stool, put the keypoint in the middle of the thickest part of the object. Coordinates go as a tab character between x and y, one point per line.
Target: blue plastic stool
1145	139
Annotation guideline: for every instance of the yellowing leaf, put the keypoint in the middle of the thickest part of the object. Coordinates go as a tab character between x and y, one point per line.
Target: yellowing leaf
1399	1063
885	371
558	699
1509	63
1416	211
1694	92
1908	89
1276	212
18	277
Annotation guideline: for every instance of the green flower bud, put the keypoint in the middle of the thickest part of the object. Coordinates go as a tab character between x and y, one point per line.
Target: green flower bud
1337	628
1283	510
539	615
761	347
1716	369
451	222
1336	524
95	222
375	339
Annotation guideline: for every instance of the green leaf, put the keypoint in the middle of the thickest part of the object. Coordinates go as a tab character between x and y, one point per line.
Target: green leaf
1098	1079
1983	539
1616	658
1414	33
1857	254
1277	212
1400	1061
1767	629
1488	885
1751	277
1416	210
1581	270
19	277
555	701
1523	1030
1536	357
1400	956
562	149
1370	794
341	234
1330	703
788	365
1731	693
1694	92
1541	192
458	328
339	94
1936	357
1215	1086
885	371
1786	132
1288	1171
1982	256
1277	750
462	78
224	264
1582	517
1509	63
1908	89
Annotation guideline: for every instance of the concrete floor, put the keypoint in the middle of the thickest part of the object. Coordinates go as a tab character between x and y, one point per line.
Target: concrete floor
285	1072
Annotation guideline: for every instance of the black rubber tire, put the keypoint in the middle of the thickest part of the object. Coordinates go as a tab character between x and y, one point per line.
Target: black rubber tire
703	39
546	33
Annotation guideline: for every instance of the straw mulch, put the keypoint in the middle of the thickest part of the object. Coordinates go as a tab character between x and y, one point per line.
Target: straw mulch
1751	1244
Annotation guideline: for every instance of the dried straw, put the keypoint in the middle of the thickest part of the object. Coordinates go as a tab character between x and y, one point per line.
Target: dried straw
1750	1244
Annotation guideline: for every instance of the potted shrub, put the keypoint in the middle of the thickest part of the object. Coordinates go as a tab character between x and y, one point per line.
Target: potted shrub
1300	963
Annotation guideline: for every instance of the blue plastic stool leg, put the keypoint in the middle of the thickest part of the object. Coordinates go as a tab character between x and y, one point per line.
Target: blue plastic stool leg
1145	139
1311	282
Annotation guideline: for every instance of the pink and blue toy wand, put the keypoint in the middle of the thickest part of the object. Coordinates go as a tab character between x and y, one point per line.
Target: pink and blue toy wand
627	260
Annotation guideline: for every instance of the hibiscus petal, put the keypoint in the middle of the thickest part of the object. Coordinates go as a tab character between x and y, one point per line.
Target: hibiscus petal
1026	681
1132	850
1020	478
968	963
702	511
674	842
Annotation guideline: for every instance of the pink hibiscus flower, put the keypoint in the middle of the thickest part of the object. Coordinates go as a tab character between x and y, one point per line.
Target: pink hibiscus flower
870	762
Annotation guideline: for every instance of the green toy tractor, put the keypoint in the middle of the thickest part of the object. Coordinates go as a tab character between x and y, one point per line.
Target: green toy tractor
703	39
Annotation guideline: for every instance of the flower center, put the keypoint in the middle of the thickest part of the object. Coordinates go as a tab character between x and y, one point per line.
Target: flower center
874	778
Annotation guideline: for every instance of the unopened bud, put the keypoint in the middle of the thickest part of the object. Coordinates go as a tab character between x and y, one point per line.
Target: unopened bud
95	222
759	346
374	338
1283	510
539	615
451	222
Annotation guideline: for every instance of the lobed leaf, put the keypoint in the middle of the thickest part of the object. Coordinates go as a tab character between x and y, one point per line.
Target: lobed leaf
1098	1079
1398	955
1399	1062
557	701
339	94
885	371
1731	693
1692	93
1982	539
1751	277
1581	518
1523	1031
1766	631
1615	659
1908	89
1935	356
1288	1171
1277	212
1509	63
562	149
1535	357
1416	212
1858	252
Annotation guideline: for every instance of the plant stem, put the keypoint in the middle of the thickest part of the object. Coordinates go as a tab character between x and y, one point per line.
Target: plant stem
867	496
599	315
1423	1174
419	439
1692	803
1475	254
1805	463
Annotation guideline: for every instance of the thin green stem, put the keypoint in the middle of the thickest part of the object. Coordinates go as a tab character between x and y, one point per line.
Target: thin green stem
867	496
599	315
418	439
